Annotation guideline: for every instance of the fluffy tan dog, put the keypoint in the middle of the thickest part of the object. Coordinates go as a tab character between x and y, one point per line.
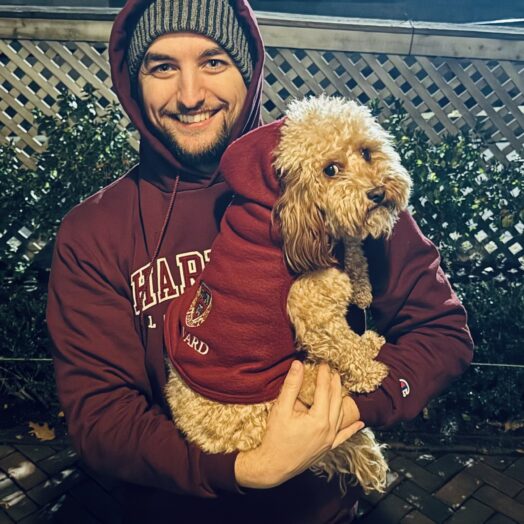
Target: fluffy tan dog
341	181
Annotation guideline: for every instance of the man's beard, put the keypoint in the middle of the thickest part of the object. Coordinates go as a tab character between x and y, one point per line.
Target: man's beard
209	155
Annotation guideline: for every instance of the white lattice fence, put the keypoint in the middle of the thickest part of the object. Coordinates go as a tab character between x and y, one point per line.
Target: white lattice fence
449	80
440	95
33	75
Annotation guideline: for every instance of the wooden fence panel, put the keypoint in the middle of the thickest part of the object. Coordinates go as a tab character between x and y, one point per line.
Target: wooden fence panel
449	79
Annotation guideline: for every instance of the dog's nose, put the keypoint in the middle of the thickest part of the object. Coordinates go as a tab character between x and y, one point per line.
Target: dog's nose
376	195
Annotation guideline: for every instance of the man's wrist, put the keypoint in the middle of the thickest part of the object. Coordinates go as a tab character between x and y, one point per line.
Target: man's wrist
251	471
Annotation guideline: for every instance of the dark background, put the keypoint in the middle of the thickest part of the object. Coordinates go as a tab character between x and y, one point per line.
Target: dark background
456	11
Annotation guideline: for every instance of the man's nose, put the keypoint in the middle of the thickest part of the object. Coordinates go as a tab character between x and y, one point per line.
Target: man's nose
191	92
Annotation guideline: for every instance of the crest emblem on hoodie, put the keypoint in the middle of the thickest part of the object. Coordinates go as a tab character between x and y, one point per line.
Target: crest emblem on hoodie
200	306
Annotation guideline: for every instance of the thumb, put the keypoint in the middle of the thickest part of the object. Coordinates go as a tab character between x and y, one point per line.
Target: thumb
291	387
346	433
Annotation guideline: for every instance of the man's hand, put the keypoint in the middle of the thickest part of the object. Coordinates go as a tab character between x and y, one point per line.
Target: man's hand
351	414
296	437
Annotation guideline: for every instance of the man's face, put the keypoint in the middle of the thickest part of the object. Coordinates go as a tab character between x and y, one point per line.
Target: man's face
192	94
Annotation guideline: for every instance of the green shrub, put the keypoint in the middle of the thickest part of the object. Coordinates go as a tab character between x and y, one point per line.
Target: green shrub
86	149
456	193
486	394
24	335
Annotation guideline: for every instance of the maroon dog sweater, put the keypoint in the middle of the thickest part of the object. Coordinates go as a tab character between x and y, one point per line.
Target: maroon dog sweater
229	335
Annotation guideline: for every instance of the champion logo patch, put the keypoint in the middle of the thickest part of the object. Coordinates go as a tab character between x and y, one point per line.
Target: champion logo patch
200	307
404	387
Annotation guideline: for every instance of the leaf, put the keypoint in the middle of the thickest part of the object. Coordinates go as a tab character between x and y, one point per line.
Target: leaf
513	425
509	425
42	431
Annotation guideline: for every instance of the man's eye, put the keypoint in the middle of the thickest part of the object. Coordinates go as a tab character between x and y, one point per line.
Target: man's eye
161	68
215	63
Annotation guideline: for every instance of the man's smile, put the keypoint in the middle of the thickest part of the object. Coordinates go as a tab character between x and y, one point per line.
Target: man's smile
193	119
196	117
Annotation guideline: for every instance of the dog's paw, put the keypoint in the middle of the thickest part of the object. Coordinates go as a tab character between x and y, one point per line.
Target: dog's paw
362	297
367	378
370	343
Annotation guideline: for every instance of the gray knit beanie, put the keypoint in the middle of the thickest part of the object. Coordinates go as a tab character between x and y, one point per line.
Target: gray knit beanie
215	19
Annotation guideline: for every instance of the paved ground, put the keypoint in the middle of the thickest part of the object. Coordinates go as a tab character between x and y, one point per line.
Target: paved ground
45	483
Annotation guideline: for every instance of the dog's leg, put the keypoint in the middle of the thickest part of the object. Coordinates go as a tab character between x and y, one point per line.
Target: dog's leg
317	305
356	266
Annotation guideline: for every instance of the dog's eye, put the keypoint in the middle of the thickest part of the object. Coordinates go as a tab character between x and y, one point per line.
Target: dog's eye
331	170
366	154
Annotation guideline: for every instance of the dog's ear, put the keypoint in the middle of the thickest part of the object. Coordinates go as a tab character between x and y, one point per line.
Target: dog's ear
307	245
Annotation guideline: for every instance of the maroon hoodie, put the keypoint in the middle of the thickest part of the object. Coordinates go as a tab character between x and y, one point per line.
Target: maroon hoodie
105	316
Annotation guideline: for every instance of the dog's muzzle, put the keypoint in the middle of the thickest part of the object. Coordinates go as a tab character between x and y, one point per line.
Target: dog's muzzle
377	195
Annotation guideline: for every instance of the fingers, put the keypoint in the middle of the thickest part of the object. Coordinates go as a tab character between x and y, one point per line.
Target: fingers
322	396
335	406
291	388
346	433
350	410
340	420
328	397
300	407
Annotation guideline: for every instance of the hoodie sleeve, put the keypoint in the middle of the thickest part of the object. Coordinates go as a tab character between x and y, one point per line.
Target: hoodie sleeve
104	388
428	344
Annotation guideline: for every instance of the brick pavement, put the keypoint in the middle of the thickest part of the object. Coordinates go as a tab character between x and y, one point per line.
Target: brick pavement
46	483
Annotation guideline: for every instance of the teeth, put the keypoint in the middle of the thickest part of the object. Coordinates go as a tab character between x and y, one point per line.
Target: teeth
193	119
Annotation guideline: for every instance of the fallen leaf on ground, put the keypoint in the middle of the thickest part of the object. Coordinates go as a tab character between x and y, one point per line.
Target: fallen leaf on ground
510	425
513	425
42	431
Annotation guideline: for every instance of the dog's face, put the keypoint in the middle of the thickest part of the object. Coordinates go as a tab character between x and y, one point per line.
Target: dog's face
340	178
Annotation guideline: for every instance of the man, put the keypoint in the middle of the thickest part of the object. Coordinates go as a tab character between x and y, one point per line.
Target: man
189	75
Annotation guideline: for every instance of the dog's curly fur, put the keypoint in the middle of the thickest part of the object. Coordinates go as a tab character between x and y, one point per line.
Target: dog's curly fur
341	181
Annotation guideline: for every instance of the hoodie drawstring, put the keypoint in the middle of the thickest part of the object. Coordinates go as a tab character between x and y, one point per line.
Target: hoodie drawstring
144	331
143	327
166	220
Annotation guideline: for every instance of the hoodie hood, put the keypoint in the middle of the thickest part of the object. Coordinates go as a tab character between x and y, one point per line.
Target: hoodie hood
158	165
